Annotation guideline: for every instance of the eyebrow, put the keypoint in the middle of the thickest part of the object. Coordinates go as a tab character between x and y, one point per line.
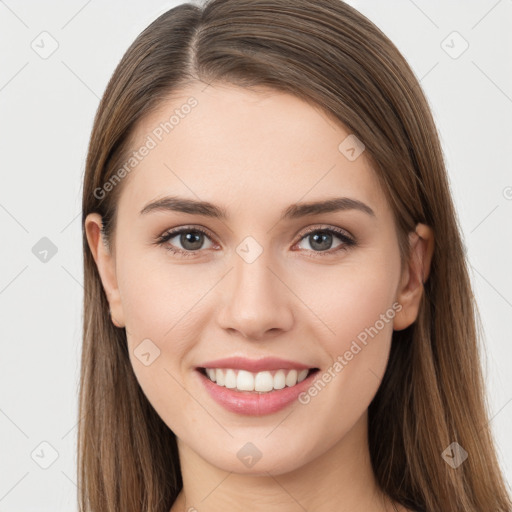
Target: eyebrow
294	211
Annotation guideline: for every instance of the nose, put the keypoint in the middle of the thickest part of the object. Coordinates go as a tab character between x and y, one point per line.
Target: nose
255	303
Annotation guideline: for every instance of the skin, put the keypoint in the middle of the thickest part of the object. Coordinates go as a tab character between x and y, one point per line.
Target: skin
254	153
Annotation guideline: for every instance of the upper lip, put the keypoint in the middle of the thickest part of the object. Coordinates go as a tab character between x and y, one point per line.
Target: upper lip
254	365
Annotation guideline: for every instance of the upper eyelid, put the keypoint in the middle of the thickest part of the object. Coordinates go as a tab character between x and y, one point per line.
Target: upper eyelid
327	228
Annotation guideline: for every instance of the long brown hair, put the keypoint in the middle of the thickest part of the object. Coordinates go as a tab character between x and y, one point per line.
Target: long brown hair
432	394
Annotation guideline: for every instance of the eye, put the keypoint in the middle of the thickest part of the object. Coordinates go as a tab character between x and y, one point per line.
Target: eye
190	239
321	240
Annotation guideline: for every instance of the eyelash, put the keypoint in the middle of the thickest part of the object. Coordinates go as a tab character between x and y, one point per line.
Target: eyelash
348	242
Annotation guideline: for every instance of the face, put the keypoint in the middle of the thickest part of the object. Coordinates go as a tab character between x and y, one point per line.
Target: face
249	276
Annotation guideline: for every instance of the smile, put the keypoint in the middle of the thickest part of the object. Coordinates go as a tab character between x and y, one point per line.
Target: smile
248	400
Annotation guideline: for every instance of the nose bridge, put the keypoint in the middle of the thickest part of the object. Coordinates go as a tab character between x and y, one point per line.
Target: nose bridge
251	274
252	278
256	301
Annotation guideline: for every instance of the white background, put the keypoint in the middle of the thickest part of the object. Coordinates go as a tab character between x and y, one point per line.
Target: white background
46	113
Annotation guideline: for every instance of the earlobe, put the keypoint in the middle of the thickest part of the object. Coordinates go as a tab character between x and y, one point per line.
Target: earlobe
415	275
105	262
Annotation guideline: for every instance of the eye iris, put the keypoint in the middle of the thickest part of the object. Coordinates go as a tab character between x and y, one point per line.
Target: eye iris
322	245
191	237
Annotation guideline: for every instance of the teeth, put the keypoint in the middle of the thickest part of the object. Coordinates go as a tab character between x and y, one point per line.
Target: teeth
280	379
230	381
262	382
291	378
302	375
219	377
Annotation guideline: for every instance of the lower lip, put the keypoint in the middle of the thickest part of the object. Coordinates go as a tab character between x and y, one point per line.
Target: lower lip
252	403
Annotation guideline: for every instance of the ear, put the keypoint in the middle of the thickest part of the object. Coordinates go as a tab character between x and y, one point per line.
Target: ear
410	289
105	261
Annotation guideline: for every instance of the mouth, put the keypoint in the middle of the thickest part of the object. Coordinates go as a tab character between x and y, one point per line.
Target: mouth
261	382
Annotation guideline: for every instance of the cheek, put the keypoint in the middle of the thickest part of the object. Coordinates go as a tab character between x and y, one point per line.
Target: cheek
359	304
157	295
351	299
159	331
156	304
356	304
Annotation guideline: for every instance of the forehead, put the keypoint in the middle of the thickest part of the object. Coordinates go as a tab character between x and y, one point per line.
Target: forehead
241	147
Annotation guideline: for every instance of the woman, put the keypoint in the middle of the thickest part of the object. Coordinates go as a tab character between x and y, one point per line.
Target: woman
278	313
